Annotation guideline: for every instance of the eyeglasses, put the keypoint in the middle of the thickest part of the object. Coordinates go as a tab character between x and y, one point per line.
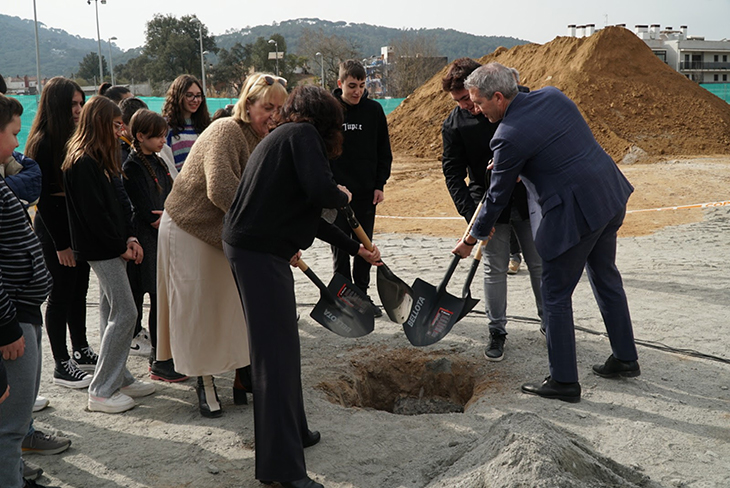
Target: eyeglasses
193	96
270	80
118	126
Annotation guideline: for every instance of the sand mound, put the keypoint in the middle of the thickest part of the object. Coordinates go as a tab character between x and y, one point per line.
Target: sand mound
521	449
629	98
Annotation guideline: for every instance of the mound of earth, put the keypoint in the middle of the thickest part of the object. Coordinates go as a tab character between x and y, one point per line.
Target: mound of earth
632	101
521	449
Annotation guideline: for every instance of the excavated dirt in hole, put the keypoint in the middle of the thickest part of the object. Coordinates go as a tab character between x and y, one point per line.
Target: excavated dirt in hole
626	94
409	382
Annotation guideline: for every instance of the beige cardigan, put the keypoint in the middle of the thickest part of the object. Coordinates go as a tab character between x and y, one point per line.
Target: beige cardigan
207	184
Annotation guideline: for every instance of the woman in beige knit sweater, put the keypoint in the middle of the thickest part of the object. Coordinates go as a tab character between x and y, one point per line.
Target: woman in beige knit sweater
199	312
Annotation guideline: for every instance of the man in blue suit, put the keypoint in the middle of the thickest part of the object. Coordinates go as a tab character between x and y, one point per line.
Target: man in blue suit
581	198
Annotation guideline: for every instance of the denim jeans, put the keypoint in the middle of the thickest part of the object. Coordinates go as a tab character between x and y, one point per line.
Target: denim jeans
496	256
16	410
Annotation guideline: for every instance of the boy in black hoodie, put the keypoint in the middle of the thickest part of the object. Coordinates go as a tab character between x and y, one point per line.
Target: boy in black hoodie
363	167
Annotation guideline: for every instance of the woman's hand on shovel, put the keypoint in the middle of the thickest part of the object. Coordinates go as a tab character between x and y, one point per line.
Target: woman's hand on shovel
372	257
295	259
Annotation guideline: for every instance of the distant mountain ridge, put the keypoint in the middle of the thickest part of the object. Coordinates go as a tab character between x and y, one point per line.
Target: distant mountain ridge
370	38
62	52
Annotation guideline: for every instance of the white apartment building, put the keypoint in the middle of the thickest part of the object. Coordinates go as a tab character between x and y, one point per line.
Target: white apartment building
699	60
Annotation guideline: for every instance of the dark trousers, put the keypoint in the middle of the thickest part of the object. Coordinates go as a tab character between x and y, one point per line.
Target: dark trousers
266	286
596	252
67	301
360	276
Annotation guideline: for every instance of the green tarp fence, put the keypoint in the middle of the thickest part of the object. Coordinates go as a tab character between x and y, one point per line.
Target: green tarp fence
154	103
722	90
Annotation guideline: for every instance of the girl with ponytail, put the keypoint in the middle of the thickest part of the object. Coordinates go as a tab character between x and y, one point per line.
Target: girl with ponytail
148	182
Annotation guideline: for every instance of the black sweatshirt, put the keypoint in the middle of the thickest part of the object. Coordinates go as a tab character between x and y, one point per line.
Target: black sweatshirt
99	226
364	165
51	206
286	184
466	152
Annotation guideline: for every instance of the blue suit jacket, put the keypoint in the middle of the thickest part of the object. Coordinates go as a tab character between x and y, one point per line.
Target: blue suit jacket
576	186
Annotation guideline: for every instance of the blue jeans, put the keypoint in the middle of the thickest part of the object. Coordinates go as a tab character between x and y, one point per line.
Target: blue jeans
15	412
496	261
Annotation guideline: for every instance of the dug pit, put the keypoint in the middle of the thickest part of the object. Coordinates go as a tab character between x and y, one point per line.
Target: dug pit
408	381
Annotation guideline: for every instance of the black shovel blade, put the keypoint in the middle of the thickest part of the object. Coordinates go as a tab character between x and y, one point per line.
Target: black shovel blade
347	311
395	295
432	315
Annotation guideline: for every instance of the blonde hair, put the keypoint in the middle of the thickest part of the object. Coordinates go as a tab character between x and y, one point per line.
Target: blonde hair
257	87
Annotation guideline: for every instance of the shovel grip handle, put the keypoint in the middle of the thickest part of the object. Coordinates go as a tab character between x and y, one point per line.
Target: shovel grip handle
478	255
356	227
302	265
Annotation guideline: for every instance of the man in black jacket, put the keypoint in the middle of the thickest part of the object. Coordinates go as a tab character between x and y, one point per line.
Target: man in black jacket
466	134
363	167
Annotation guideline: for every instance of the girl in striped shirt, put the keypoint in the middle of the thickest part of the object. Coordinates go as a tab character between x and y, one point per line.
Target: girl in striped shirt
187	116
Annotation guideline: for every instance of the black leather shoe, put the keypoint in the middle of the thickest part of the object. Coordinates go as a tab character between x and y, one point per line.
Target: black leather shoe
208	402
242	385
311	439
567	392
614	368
305	482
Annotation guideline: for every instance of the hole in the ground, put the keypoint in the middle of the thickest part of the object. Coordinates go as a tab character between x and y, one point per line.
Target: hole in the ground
406	382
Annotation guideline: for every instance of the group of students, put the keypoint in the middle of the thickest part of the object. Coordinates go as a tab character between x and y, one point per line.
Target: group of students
212	250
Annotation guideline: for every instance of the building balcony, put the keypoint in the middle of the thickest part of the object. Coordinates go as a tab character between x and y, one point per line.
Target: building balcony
703	66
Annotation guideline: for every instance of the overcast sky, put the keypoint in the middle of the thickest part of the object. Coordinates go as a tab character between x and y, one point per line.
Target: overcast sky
534	20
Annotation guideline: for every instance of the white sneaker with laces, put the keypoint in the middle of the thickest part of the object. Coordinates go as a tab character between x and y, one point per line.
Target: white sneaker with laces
117	403
40	403
138	389
141	344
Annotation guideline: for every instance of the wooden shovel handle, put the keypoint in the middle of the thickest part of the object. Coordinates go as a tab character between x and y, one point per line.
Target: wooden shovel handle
357	228
473	219
302	265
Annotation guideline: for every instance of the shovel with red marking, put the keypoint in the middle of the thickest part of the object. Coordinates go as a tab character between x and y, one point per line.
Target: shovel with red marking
342	307
435	311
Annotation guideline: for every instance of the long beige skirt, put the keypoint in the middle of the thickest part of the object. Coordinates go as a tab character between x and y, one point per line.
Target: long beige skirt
200	322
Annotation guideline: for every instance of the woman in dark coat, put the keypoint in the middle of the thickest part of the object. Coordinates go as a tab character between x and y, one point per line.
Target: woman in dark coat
276	212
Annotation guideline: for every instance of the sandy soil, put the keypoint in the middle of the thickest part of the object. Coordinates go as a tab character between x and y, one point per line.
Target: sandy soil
670	427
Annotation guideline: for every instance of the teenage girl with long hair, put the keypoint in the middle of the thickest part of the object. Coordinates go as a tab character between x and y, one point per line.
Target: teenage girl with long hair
58	113
187	115
148	182
101	234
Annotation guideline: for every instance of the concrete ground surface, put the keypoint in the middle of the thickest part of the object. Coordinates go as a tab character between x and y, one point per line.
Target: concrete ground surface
669	427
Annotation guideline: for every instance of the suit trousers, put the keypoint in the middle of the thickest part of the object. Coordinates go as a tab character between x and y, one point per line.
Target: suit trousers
266	286
365	213
596	252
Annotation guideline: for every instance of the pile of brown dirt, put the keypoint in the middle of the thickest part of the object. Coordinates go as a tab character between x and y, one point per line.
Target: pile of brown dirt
626	94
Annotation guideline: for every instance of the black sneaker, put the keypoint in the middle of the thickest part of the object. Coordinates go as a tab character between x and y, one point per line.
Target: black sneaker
32	484
86	359
495	349
376	310
68	374
165	371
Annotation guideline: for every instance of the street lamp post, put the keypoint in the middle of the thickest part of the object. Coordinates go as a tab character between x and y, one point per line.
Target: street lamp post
111	63
321	64
276	46
203	71
98	38
202	54
37	56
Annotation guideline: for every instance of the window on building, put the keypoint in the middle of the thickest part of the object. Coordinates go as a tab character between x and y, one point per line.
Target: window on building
724	58
724	77
716	78
717	58
661	55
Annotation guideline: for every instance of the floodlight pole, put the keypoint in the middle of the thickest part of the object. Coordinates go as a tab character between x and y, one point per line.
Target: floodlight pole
37	55
321	65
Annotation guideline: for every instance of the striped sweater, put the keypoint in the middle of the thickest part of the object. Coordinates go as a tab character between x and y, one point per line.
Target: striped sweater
181	142
24	280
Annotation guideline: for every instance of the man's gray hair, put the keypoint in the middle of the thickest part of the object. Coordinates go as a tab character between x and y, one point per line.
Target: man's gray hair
491	78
